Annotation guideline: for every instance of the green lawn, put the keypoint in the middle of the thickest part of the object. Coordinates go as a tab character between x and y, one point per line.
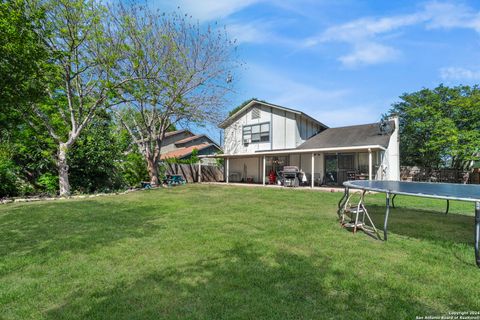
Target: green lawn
209	252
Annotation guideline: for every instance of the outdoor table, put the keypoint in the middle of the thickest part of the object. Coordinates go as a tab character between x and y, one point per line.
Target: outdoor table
446	191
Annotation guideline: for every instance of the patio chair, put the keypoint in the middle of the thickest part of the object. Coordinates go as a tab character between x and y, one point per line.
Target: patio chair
351	175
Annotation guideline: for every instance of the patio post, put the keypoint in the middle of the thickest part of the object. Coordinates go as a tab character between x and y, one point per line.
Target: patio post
313	170
369	164
264	165
199	171
227	170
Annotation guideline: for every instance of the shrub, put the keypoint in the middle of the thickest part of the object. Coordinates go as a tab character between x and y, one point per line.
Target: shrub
8	178
48	182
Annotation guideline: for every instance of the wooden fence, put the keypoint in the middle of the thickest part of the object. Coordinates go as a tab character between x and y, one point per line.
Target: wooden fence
421	174
189	172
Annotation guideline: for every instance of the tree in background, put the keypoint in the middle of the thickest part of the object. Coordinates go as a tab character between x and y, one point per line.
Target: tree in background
24	68
191	68
440	127
23	60
94	160
86	52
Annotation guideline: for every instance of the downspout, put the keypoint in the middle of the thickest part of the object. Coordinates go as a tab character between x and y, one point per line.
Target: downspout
284	129
271	128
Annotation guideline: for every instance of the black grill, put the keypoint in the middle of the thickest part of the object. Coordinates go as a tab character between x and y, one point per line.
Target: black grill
290	176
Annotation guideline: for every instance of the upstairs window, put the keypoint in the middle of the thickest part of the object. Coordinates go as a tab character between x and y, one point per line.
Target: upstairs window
255	113
256	133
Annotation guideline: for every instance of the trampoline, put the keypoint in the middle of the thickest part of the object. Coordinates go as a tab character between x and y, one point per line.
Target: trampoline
446	191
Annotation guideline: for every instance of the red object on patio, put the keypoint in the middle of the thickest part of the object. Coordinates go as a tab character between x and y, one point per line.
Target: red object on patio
272	178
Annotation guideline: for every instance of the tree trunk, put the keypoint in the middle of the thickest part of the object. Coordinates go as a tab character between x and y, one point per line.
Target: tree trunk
62	165
152	167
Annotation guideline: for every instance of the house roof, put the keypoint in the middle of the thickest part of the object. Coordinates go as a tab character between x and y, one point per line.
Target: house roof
231	118
172	133
351	136
183	152
188	139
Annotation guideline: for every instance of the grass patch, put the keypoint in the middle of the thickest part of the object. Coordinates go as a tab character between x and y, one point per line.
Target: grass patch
209	252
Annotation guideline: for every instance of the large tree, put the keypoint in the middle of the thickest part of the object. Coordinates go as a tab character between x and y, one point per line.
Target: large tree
439	127
192	67
87	51
23	60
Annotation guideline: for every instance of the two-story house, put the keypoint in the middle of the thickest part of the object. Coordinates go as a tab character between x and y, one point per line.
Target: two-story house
261	138
181	143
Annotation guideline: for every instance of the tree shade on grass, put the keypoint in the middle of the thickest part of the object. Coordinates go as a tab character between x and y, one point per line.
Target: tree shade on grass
209	252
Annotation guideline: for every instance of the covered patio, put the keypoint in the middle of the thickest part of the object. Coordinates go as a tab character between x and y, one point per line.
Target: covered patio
321	166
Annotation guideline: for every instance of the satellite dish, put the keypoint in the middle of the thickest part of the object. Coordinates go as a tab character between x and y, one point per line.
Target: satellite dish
385	127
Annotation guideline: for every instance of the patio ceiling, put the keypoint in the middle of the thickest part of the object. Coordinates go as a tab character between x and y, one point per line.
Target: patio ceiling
297	151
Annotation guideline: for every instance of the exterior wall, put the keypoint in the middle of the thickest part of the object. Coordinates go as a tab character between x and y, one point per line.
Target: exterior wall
253	167
233	134
305	129
287	130
243	168
391	161
318	166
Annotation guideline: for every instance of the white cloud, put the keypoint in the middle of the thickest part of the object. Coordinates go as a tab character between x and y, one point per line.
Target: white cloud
361	35
457	73
257	31
451	15
364	34
366	28
207	10
334	107
369	53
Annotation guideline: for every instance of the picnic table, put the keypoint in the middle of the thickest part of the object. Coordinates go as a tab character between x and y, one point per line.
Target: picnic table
174	179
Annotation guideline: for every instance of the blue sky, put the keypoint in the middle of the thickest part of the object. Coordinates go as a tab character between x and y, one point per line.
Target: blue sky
344	62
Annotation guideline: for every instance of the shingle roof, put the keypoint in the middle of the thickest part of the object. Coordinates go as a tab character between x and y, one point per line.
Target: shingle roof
351	136
182	152
187	139
172	133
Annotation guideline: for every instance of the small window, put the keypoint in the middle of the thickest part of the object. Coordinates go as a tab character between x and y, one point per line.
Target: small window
265	136
255	113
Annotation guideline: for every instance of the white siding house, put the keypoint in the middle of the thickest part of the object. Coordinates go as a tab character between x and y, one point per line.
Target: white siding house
260	126
261	138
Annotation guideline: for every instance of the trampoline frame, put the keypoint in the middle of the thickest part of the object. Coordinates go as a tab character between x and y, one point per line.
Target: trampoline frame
389	202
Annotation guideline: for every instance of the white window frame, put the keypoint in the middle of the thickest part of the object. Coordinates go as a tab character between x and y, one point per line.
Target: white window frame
249	131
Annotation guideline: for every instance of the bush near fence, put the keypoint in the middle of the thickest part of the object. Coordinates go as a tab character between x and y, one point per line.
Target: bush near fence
210	173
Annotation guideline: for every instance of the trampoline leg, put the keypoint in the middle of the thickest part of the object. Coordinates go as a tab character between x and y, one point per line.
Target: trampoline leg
448	206
387	202
342	202
393	200
477	232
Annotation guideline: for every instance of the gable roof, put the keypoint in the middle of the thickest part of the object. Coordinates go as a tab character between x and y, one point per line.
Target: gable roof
173	133
183	152
252	102
351	136
188	139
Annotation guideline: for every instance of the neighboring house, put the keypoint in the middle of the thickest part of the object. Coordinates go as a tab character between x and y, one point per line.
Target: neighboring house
262	137
181	143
